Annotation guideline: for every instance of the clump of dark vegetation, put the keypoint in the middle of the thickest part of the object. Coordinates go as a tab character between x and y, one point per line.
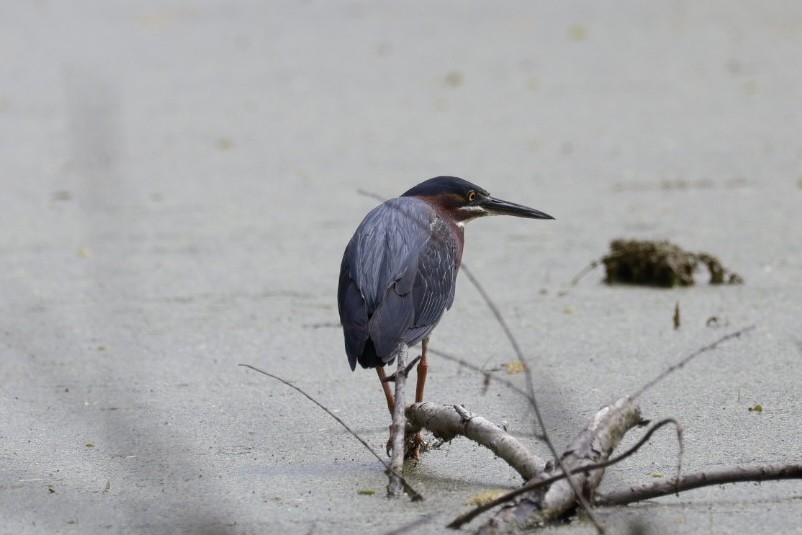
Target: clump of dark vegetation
660	263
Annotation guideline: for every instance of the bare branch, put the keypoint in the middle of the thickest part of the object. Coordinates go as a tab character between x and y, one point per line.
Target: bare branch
587	269
371	194
539	483
448	421
473	367
531	395
592	445
399	426
413	494
646	438
671	369
695	480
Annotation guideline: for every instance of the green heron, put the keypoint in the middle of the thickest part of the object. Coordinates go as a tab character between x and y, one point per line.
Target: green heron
399	270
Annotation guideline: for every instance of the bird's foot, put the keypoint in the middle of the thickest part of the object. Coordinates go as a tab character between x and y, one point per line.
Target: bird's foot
414	446
389	446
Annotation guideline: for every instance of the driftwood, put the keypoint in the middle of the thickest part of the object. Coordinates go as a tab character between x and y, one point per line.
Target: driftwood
553	490
590	447
547	495
542	502
448	421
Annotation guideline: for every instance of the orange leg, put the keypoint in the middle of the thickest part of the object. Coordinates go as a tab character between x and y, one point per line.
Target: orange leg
423	369
388	392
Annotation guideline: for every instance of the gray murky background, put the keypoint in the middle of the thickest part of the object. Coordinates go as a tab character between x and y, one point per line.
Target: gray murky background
179	181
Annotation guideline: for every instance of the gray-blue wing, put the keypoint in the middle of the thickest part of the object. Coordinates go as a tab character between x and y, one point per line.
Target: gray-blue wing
435	282
353	312
396	280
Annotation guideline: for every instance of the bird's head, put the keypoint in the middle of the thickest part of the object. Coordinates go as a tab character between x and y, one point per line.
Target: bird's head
463	201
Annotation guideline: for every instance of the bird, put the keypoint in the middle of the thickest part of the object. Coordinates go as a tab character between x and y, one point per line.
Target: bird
399	270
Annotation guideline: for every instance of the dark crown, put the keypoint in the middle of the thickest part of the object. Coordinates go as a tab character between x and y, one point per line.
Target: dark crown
443	185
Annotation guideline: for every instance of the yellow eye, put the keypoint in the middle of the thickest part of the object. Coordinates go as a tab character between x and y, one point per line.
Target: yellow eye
471	196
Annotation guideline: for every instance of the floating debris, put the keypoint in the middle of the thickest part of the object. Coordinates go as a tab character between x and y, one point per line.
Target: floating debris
515	367
453	79
484	496
715	322
660	263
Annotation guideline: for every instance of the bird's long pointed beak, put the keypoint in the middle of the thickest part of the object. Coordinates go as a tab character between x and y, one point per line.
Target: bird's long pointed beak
501	207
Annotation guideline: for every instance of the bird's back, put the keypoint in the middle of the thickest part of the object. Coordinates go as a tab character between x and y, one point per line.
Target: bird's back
396	280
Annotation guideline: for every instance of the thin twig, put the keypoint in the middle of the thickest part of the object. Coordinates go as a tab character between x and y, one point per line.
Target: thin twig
531	395
407	488
407	369
587	269
676	482
473	367
671	369
500	319
487	376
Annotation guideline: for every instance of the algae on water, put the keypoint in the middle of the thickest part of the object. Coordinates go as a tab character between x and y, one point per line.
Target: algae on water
660	263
